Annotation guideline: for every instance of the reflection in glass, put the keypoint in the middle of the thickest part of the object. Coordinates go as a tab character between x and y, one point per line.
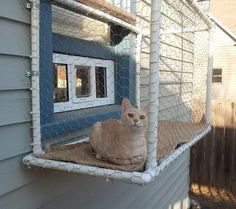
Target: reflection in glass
82	81
60	83
101	84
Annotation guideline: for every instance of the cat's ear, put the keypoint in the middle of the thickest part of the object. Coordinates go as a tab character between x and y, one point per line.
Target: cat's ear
125	105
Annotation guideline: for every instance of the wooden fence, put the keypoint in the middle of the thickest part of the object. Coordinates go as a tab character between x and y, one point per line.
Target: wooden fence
213	160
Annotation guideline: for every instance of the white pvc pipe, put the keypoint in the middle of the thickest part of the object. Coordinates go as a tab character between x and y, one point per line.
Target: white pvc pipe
154	84
98	13
130	177
209	76
196	7
37	148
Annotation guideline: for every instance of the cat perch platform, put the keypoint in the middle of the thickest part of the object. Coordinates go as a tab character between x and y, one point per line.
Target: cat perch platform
79	157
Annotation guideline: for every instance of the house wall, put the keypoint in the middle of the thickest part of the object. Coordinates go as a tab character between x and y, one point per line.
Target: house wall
23	188
224	54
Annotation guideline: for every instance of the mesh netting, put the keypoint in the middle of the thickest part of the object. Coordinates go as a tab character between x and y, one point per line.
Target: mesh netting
89	62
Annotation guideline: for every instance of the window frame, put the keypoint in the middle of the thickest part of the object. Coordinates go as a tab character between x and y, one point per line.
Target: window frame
75	103
217	76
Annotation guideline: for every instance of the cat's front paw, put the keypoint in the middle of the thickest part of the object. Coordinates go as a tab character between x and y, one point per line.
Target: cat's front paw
98	157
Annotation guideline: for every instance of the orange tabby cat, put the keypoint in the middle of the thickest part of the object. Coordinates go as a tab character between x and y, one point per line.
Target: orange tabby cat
121	141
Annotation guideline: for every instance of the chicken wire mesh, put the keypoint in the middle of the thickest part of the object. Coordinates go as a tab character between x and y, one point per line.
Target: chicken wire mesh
89	63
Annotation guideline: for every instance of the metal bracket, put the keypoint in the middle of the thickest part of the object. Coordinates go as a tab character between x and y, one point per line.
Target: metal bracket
28	74
31	73
28	4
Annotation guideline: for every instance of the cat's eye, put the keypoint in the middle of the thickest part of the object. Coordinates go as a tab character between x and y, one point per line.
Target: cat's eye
142	117
130	115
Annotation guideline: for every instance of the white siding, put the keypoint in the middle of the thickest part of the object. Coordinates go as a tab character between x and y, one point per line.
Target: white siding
224	57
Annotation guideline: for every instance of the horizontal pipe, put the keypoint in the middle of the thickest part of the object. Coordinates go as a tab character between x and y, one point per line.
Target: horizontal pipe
196	7
98	14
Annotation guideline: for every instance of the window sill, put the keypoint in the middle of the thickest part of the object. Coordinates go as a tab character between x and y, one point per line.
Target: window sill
65	122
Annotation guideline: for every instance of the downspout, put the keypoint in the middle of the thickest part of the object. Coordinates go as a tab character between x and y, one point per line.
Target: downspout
37	148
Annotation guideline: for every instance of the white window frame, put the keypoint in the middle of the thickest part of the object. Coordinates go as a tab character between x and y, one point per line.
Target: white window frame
74	102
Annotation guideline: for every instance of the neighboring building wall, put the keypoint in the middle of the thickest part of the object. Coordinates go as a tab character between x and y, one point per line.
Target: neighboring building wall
23	188
224	56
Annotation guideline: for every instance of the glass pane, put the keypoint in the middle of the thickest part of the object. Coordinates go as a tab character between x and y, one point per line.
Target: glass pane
101	84
82	81
217	79
60	83
217	71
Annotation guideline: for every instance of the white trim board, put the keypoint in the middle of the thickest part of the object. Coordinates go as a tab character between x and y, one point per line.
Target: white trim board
75	103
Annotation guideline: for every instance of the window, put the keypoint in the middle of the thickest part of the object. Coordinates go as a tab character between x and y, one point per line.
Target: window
101	91
60	83
217	75
81	82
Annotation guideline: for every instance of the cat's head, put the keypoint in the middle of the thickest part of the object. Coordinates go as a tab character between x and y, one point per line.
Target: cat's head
133	117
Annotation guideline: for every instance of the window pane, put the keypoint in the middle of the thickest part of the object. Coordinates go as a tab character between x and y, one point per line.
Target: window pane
101	85
60	83
217	71
217	79
82	81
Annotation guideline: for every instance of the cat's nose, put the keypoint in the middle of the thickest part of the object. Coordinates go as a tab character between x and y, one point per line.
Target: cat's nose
135	120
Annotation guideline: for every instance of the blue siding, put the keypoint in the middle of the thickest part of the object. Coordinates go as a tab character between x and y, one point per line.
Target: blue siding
46	65
50	42
73	46
132	71
75	120
125	69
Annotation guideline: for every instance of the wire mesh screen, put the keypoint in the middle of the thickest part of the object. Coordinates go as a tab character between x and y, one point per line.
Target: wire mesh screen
94	81
92	69
183	75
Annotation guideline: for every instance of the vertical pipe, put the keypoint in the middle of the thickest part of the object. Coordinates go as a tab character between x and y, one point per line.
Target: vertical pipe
154	84
197	8
37	148
209	76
